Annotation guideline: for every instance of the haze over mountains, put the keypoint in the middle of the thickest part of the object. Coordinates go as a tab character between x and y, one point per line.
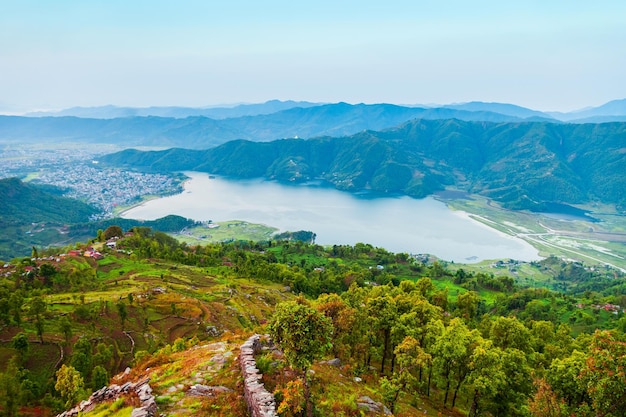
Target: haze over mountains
262	122
214	112
612	111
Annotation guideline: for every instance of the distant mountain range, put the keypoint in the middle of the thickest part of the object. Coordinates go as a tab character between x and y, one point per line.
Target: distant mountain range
218	112
518	156
612	111
263	122
526	165
339	119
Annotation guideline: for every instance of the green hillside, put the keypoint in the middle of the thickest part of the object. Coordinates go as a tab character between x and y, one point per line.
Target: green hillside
522	165
22	202
417	338
34	216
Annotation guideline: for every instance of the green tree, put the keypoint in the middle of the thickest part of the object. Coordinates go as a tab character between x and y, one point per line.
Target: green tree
113	231
342	317
563	377
99	377
21	344
82	357
16	300
103	356
467	305
69	384
411	359
512	397
425	287
509	332
37	310
47	271
383	312
122	312
303	334
391	388
66	328
605	373
486	376
10	390
5	308
452	353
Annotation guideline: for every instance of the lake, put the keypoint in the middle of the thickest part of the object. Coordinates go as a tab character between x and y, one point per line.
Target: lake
398	224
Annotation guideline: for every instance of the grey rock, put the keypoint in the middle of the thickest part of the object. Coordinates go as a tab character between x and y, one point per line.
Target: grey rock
334	362
371	406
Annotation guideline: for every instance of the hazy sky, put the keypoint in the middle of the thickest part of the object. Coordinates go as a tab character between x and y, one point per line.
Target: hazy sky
547	55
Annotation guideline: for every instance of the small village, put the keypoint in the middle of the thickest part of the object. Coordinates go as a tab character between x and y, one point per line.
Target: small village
78	171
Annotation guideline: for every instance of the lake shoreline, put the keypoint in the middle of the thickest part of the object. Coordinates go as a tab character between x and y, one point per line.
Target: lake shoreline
398	224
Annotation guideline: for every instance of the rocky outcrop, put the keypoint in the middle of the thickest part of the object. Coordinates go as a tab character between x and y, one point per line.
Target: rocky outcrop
372	407
260	402
142	389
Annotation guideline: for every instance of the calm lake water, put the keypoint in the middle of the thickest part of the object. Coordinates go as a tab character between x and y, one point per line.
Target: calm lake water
400	224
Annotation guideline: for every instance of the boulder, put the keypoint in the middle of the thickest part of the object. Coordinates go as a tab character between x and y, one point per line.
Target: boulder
371	406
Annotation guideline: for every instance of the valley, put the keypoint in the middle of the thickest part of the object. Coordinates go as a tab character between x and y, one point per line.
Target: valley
361	325
595	243
312	209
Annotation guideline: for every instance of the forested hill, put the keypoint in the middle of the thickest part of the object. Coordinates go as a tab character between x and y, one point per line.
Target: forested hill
31	216
22	202
522	165
201	132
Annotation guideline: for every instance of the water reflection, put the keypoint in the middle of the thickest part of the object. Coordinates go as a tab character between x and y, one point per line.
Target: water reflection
400	224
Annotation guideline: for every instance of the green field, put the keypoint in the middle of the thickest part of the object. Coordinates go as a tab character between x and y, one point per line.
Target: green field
594	243
226	232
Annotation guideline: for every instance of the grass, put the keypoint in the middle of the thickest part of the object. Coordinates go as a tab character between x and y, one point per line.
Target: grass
598	243
231	230
116	408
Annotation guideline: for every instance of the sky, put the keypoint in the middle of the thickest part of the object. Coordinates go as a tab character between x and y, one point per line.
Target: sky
547	55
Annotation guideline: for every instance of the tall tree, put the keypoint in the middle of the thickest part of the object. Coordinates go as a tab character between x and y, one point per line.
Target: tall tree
486	376
513	396
467	305
383	311
411	358
122	312
66	329
509	332
545	402
452	352
303	334
82	357
21	344
37	310
564	379
69	384
605	373
99	377
10	390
